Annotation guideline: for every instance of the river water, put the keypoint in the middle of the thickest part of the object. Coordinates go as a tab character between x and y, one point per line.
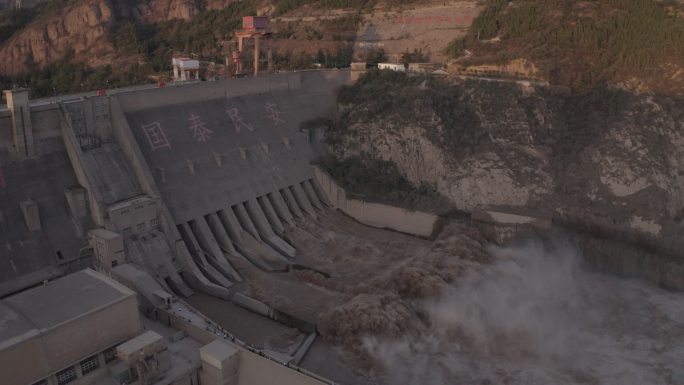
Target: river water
536	317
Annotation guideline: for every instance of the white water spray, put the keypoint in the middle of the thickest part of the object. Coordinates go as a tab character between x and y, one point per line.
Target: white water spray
535	317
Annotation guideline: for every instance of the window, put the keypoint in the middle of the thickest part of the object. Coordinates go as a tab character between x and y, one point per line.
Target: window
154	222
109	355
66	376
127	231
114	263
89	364
141	227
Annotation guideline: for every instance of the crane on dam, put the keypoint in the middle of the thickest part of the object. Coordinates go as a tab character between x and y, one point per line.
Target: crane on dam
253	27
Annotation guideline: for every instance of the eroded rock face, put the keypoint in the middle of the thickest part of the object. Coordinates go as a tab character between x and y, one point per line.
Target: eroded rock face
81	27
154	11
612	159
85	28
218	4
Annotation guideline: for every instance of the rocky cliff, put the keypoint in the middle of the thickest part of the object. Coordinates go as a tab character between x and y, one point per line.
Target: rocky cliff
85	28
155	11
609	162
80	27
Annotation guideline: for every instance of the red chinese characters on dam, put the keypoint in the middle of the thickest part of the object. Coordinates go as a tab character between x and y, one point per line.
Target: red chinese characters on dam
200	132
238	122
274	114
156	136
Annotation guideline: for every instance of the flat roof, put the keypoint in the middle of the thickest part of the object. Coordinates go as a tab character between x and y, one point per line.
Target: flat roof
104	233
36	310
142	341
14	327
217	352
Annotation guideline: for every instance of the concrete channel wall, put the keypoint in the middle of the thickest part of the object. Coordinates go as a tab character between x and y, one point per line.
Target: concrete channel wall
255	367
375	214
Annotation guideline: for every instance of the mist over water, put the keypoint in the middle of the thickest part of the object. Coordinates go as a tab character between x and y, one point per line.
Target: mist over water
536	317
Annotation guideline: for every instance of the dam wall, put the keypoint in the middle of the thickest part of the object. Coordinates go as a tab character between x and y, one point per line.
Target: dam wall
47	137
44	213
230	164
211	146
375	214
194	177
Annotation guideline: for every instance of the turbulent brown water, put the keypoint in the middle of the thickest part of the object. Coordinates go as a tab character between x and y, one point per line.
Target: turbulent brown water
536	317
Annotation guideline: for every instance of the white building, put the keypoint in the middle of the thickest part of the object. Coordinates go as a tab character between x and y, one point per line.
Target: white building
399	67
424	68
185	68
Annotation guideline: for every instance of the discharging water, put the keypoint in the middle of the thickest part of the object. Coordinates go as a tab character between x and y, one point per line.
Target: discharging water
536	317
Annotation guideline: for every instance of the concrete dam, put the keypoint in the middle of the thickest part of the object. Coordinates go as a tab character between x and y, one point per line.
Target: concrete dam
194	184
207	188
204	198
191	176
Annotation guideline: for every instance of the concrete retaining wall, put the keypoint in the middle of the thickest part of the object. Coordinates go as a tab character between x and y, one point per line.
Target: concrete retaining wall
255	369
375	214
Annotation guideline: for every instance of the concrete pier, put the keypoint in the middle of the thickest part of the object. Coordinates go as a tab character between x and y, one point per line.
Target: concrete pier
311	194
200	258
302	199
245	220
220	233
271	215
292	203
264	228
280	207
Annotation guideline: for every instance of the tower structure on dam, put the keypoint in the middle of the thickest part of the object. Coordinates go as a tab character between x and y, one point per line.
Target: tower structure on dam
255	28
22	131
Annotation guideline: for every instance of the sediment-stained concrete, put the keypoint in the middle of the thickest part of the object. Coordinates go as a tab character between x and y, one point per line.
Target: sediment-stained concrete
243	123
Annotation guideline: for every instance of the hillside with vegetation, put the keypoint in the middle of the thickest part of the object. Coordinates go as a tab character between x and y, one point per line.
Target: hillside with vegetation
608	162
65	46
582	43
120	43
62	46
